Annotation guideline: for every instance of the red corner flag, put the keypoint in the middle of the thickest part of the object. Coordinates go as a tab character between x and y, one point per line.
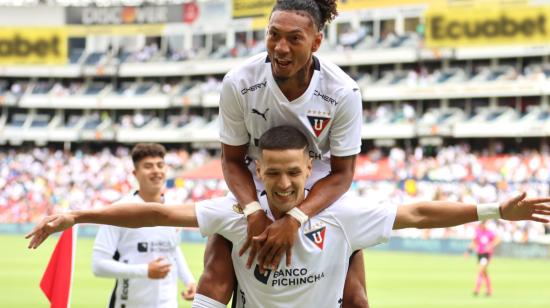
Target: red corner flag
56	281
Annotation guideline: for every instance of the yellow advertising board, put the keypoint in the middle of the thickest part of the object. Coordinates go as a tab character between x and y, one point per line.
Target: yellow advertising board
33	45
349	5
487	27
262	8
252	8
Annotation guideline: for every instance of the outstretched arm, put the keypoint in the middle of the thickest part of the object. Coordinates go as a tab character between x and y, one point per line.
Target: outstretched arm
439	214
132	215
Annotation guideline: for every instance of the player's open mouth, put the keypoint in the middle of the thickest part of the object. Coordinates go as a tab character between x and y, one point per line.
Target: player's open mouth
284	194
282	63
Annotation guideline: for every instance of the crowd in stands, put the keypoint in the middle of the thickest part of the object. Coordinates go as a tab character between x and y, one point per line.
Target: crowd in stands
40	181
457	173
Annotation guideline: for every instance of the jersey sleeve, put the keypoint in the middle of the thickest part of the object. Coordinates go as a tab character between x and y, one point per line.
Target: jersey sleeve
233	129
218	216
365	223
345	131
103	264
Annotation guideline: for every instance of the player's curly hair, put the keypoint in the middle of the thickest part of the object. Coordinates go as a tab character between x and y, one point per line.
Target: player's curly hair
322	11
142	150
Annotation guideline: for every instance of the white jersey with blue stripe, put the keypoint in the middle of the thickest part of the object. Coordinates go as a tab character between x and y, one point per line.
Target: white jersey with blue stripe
329	112
320	255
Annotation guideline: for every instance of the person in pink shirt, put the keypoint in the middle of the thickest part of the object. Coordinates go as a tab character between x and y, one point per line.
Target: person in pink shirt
484	244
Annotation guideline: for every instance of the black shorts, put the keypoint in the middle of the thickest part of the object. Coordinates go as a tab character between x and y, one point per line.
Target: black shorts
481	256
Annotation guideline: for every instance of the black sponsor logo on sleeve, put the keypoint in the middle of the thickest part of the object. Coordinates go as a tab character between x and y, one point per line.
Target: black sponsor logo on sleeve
254	87
326	98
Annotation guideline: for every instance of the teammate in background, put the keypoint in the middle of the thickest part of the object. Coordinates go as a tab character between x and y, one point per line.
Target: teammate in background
288	85
146	262
325	242
484	244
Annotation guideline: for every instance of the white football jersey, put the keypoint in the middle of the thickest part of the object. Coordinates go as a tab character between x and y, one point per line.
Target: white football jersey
320	255
136	248
329	112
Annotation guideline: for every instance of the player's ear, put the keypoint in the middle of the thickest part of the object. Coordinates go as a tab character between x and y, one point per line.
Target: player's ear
258	170
317	41
309	162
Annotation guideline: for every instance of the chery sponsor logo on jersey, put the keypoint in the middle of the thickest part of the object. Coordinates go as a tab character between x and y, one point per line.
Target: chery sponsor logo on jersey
326	98
318	120
254	87
287	277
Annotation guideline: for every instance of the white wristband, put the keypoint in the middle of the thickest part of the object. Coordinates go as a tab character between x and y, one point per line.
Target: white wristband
252	207
488	211
298	214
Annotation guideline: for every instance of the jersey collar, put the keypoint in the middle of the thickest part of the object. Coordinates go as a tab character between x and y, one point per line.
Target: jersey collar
306	96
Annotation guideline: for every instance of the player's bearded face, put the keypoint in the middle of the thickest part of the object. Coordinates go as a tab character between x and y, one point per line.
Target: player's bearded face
291	39
284	174
150	173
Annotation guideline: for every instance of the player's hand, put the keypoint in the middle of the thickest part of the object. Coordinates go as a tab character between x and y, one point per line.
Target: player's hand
277	240
257	223
158	269
520	208
189	294
49	225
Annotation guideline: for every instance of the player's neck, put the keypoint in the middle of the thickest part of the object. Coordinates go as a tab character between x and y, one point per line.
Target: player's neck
277	214
153	196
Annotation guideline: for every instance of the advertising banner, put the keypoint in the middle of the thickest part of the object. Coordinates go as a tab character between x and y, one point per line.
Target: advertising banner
33	45
487	27
252	8
125	15
349	5
262	8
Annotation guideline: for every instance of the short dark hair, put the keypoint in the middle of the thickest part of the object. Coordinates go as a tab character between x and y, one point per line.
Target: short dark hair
283	138
321	11
142	150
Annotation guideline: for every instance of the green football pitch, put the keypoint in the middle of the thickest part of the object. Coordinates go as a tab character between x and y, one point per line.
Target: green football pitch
393	279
